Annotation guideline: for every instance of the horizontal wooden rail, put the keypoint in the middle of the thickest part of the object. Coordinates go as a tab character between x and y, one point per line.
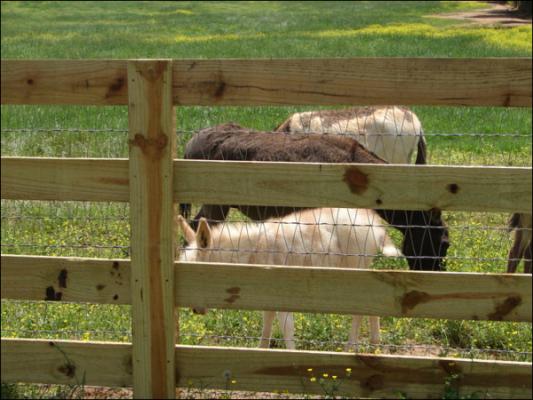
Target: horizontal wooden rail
357	81
471	296
499	189
493	189
66	362
66	279
381	376
83	179
346	291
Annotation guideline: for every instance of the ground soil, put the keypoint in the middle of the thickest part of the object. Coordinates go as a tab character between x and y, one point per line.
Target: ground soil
93	392
496	14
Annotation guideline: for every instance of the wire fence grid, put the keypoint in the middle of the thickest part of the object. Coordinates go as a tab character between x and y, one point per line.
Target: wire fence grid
500	149
192	338
480	242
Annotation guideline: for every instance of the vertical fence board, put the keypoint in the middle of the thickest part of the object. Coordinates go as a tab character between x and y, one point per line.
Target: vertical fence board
151	134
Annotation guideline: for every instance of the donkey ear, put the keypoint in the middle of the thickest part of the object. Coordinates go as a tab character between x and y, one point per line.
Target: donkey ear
203	234
186	229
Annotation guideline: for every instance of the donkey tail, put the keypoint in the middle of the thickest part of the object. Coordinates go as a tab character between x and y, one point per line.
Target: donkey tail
421	149
285	126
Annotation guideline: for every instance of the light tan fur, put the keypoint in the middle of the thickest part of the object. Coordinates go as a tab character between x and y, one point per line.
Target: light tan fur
327	237
390	132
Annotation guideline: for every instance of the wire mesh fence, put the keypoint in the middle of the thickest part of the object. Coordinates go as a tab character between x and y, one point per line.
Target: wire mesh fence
479	242
500	149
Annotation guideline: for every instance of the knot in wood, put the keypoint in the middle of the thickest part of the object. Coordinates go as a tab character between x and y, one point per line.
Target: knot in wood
411	299
357	181
505	308
151	147
68	369
374	382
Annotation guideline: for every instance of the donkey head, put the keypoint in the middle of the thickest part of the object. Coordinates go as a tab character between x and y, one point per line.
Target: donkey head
425	242
197	244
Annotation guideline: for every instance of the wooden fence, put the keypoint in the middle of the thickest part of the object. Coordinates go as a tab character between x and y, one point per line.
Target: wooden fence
151	180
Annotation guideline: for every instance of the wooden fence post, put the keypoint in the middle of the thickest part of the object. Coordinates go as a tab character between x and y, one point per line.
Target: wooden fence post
151	142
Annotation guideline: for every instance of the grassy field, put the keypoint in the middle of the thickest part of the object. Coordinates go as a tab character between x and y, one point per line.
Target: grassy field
247	30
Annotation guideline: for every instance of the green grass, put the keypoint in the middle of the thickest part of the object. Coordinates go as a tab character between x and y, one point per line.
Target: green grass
248	30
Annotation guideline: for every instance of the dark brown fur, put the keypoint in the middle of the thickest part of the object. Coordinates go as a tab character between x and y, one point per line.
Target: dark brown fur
232	142
522	247
425	235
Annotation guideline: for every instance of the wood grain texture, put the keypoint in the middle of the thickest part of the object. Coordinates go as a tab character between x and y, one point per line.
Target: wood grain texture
66	362
31	178
357	81
469	296
151	139
66	279
371	376
409	187
379	376
418	187
369	81
84	82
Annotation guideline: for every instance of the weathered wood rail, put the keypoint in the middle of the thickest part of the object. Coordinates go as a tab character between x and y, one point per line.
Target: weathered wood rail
266	370
151	181
466	296
425	81
420	187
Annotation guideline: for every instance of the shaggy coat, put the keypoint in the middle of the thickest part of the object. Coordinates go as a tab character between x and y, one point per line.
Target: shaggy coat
425	241
393	133
325	237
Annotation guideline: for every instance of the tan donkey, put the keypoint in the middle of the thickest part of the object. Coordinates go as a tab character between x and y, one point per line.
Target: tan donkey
326	237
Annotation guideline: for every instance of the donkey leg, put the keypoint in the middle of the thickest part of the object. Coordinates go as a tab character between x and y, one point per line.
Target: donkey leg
527	259
268	320
515	253
353	337
374	330
286	323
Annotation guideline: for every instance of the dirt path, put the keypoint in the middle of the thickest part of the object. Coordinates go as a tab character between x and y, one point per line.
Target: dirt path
495	14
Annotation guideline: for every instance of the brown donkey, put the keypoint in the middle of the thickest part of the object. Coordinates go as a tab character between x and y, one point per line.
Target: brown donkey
425	242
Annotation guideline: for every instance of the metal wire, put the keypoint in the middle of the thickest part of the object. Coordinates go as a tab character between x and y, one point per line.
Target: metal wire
72	232
305	253
191	132
70	246
218	221
370	345
362	346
